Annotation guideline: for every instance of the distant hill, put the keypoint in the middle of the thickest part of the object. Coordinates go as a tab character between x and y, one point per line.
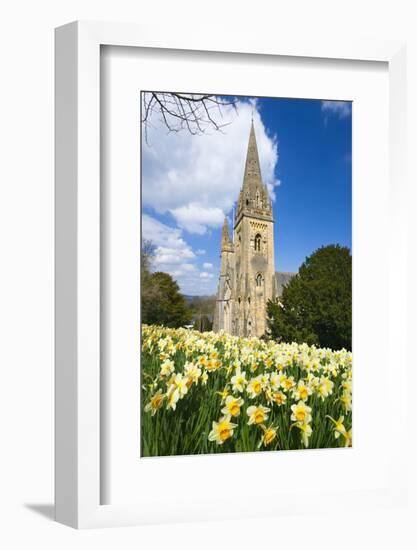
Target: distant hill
190	299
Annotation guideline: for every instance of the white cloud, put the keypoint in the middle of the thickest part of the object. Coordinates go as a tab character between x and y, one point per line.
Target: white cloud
171	248
340	109
175	256
200	252
197	178
207	265
196	218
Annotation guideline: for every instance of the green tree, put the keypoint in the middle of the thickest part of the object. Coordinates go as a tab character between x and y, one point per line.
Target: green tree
168	307
316	305
203	323
150	293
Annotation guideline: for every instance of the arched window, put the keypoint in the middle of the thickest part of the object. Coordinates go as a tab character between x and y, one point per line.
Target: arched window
258	242
259	280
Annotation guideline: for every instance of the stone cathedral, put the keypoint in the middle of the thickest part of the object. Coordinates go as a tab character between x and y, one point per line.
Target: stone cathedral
247	270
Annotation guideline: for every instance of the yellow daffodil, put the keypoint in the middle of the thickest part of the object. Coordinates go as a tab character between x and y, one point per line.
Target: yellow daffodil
268	436
339	428
306	432
288	383
232	405
173	396
167	368
222	430
325	387
155	403
279	398
302	391
239	381
193	372
301	412
254	387
257	415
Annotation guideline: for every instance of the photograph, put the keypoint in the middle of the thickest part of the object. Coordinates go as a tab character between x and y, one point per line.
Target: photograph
246	274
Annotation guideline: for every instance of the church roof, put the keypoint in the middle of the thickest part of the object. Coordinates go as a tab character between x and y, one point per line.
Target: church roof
282	278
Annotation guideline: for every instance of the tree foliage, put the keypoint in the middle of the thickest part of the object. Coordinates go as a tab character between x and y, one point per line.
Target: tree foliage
203	323
169	307
316	305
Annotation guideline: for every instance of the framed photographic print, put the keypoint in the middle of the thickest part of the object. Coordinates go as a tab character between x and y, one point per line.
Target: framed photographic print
220	224
237	356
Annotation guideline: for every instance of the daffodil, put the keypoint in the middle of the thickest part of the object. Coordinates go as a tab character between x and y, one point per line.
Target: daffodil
173	396
348	438
222	430
279	398
288	383
257	415
254	387
239	381
306	432
339	428
301	412
302	391
269	435
155	403
325	387
167	368
232	405
180	383
192	371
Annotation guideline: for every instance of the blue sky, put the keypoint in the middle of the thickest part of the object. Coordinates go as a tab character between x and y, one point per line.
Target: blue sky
190	182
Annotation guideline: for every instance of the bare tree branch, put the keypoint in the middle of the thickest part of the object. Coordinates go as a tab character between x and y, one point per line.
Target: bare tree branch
180	111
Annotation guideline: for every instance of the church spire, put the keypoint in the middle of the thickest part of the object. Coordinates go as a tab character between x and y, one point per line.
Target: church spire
252	177
254	198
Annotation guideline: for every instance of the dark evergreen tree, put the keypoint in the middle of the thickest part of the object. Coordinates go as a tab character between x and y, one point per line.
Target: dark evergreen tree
316	305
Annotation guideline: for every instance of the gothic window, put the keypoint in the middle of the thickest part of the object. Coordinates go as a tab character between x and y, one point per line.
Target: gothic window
258	242
249	300
259	280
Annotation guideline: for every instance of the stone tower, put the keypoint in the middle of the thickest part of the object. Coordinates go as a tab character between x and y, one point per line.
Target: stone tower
247	272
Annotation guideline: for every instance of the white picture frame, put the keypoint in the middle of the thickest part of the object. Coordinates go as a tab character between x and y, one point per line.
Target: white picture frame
77	242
